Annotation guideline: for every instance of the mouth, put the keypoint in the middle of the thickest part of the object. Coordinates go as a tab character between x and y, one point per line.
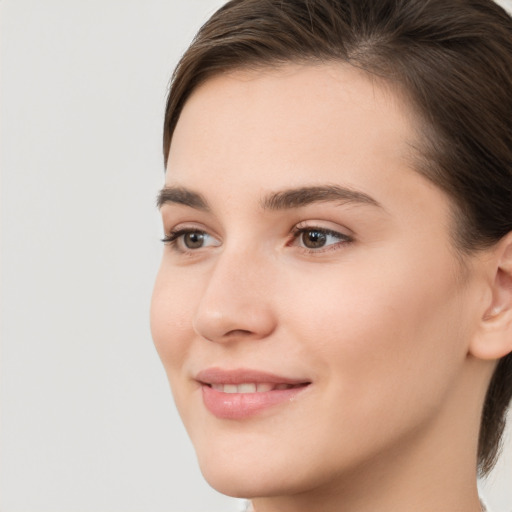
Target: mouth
240	394
260	387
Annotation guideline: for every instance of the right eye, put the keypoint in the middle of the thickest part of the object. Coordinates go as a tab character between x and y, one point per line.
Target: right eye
185	240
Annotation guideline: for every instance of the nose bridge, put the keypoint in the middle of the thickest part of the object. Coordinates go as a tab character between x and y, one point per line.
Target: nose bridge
237	297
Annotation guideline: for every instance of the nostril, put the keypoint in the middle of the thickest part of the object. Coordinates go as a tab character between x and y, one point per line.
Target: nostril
238	332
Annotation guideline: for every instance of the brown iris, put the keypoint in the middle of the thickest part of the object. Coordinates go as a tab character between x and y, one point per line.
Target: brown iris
193	240
313	239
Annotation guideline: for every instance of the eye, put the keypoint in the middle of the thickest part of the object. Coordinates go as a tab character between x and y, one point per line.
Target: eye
193	239
316	239
190	239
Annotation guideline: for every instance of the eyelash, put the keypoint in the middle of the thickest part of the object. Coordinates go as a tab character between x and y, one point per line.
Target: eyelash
343	239
174	235
173	239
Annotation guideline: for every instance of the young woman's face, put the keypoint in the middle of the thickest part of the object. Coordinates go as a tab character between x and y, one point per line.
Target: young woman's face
310	310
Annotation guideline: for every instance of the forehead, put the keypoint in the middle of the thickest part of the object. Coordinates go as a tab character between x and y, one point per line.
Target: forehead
294	109
291	126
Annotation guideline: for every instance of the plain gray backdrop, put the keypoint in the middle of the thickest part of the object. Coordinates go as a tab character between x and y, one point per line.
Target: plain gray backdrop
87	420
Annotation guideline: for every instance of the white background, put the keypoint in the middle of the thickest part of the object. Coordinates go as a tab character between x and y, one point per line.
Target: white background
87	421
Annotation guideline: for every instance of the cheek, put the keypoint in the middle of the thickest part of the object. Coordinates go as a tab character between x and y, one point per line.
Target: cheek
172	306
377	334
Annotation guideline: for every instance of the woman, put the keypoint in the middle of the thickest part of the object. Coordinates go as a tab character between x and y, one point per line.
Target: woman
334	304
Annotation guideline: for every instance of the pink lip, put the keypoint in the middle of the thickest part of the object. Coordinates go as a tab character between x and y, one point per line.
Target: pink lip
241	375
236	406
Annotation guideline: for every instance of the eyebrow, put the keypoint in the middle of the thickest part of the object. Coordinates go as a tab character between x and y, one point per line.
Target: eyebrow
181	195
282	200
303	196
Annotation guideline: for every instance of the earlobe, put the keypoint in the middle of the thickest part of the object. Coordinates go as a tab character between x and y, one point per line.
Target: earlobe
494	338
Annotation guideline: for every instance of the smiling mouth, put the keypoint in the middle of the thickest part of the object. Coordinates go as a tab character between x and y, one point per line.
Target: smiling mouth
240	394
246	388
244	400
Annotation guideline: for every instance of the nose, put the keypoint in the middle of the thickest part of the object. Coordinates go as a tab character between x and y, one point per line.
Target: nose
237	300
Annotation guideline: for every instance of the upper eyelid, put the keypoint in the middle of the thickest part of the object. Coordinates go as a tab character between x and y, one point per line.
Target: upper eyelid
187	226
333	227
325	225
331	232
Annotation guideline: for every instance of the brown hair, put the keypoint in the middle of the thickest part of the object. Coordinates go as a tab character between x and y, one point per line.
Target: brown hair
453	61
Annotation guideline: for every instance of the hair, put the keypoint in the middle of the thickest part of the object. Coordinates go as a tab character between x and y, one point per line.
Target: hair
452	60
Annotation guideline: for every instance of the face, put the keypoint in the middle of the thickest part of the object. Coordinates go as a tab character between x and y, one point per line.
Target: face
309	310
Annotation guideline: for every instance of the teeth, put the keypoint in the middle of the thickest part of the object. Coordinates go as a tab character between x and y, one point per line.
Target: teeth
249	387
263	388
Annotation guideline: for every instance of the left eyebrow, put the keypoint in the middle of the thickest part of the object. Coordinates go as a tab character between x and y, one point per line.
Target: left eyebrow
303	196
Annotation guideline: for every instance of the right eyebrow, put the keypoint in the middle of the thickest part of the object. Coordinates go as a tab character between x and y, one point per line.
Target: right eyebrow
180	195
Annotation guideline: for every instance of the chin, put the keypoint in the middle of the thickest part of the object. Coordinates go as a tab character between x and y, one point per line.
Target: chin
246	484
246	475
236	487
259	471
233	476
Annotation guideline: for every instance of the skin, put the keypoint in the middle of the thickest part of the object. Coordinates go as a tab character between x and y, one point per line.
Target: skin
382	320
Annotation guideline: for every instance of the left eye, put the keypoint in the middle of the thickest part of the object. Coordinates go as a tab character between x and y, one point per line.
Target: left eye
194	239
318	238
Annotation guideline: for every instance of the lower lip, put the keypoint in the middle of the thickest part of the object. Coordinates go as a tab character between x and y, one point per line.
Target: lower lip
236	406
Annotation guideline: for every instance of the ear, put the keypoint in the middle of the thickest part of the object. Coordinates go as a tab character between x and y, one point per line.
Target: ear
494	338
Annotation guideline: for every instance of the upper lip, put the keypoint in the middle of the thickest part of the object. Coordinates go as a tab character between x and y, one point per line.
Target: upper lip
243	375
